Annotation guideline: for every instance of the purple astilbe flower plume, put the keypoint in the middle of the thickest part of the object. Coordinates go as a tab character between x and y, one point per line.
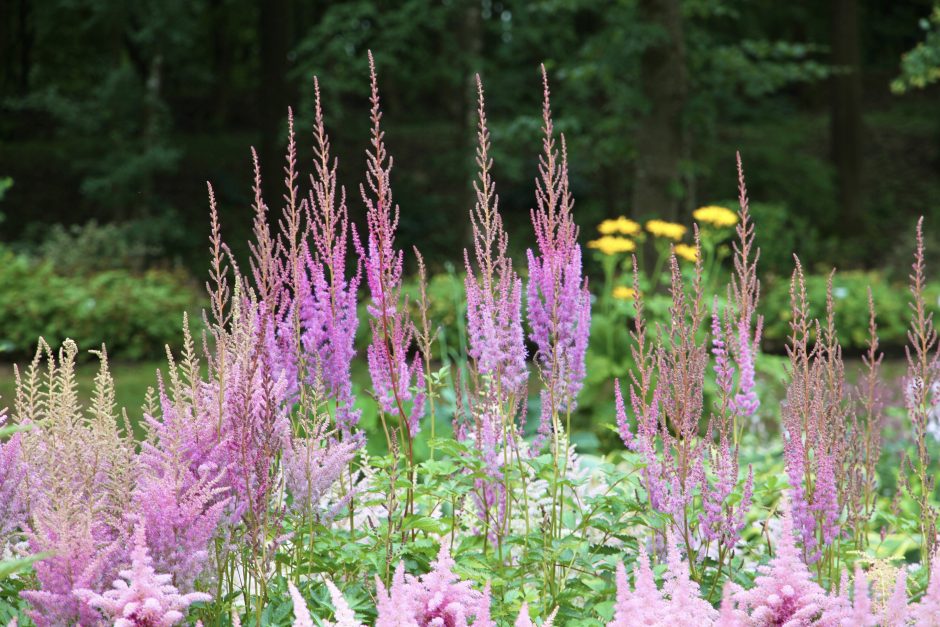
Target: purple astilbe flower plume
437	599
745	288
343	614
494	290
685	605
559	304
145	598
13	471
784	592
814	421
644	604
926	612
495	335
311	465
181	509
327	297
394	379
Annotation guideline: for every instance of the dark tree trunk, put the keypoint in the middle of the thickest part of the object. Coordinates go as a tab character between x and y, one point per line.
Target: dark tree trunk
221	61
274	38
660	138
26	36
846	115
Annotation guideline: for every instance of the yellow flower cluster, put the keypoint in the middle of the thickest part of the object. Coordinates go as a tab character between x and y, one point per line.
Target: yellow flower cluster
716	216
689	253
610	245
622	292
670	230
621	226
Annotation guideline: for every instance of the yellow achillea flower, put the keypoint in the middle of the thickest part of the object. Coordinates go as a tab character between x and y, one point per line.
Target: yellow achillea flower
610	245
622	225
689	253
716	216
661	228
622	292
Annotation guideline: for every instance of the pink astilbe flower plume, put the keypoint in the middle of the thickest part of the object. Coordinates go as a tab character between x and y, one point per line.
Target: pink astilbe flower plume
559	304
301	613
642	605
437	599
685	605
784	593
523	620
857	611
81	474
926	612
145	599
896	610
394	379
343	614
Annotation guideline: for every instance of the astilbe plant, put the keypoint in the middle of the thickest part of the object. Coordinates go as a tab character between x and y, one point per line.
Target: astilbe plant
690	455
398	384
436	599
784	592
142	596
496	346
923	357
81	472
558	301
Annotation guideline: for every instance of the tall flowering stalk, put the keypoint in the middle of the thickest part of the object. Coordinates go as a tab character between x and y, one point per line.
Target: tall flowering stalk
815	415
923	358
398	383
558	309
324	294
690	455
496	341
559	304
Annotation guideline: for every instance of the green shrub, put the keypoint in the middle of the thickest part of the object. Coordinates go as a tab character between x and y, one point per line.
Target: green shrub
135	314
850	295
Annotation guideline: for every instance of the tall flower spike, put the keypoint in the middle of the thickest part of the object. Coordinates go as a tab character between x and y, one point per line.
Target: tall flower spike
344	615
494	290
142	597
559	304
301	613
644	604
327	297
685	602
437	598
394	379
896	611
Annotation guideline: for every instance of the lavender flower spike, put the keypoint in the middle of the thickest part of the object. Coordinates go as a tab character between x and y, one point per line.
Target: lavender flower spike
559	304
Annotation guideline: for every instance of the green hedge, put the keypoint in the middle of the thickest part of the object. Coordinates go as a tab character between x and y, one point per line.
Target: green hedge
134	314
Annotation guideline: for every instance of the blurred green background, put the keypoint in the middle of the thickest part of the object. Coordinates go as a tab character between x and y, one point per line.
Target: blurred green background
114	114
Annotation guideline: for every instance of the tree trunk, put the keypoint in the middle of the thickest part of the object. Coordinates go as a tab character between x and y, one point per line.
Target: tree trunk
657	187
846	115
